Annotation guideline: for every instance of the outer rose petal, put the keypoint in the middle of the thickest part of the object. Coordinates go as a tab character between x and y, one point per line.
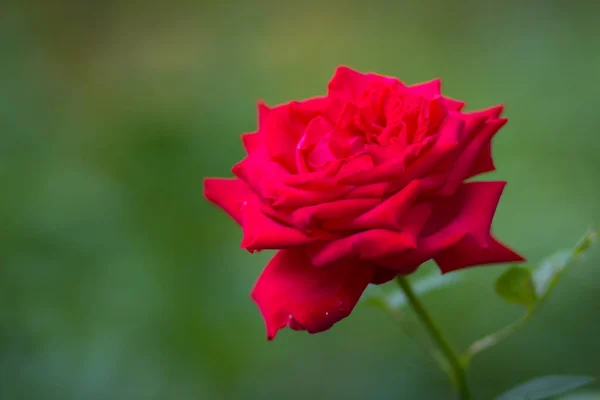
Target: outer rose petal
469	211
251	142
468	253
470	155
278	135
291	291
253	170
458	227
428	89
229	194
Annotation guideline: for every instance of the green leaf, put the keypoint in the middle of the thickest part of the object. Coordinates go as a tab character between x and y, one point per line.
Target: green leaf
581	395
516	286
552	268
544	387
585	243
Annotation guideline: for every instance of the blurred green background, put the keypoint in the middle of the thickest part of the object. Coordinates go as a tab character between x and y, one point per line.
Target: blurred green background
119	281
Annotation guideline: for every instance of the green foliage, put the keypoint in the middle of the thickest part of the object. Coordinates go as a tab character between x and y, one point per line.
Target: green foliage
515	285
581	395
545	387
519	285
552	268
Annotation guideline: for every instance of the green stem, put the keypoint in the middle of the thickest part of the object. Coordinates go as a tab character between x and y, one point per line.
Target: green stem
457	368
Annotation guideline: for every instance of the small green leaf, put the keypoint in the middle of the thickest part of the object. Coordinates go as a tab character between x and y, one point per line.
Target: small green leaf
581	395
544	387
548	273
552	268
516	286
585	243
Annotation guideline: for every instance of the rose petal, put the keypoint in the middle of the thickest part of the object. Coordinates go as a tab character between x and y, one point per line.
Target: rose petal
369	191
466	214
452	104
388	214
466	161
302	112
383	275
339	211
251	142
278	135
229	194
469	211
490	112
291	291
348	83
369	245
468	253
255	167
262	232
427	89
447	142
316	130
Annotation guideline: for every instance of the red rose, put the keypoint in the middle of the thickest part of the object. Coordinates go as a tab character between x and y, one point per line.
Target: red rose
358	186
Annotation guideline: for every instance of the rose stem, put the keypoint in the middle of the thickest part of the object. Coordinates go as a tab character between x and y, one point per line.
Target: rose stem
460	376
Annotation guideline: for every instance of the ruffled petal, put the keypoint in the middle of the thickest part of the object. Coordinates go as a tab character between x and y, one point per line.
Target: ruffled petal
461	221
470	158
293	292
229	194
340	212
348	84
388	214
447	142
290	197
262	232
278	135
261	174
469	211
369	245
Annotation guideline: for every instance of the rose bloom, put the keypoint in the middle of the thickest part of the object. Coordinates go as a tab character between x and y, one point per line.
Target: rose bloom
358	186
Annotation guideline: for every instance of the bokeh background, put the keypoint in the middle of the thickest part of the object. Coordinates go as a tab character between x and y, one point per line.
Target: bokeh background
119	281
